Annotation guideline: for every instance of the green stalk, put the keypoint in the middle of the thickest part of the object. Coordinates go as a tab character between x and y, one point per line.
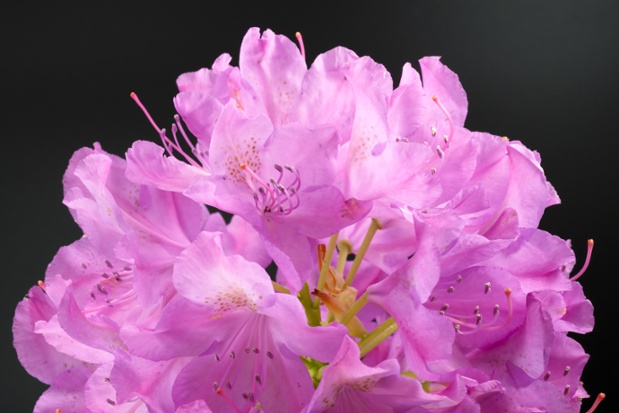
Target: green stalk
354	309
366	346
375	226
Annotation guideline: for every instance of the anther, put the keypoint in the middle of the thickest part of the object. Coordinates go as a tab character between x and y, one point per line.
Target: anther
487	287
547	375
84	266
451	289
476	309
566	371
458	278
217	357
255	350
258	379
433	170
232	355
440	152
269	355
478	321
102	289
110	402
566	390
42	285
109	264
433	130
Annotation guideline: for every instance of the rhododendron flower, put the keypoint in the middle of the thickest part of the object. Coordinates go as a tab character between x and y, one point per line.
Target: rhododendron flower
407	272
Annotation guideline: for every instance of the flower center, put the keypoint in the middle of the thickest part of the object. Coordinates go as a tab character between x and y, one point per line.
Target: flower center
114	287
481	316
277	196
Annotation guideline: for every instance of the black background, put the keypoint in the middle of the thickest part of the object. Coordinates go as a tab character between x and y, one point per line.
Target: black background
544	73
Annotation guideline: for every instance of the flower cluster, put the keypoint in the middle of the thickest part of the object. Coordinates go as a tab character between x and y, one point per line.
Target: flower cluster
409	273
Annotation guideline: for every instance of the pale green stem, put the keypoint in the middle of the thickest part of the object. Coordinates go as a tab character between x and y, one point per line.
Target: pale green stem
375	226
354	309
369	345
382	327
280	288
344	248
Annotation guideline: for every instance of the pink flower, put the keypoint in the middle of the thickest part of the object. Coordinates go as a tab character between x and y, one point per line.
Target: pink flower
411	275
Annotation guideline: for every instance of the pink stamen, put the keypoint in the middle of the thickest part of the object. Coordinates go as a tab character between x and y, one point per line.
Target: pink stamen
141	106
587	260
272	196
597	402
221	393
253	175
510	310
451	125
301	45
169	144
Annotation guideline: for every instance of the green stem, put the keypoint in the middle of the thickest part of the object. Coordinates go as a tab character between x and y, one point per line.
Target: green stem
382	327
280	288
311	312
366	345
361	253
354	309
344	247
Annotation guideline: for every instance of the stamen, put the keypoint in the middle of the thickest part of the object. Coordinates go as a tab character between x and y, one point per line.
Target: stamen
547	375
597	402
566	371
440	152
451	124
566	390
169	145
487	287
221	393
301	45
476	324
587	260
510	310
375	226
273	197
42	285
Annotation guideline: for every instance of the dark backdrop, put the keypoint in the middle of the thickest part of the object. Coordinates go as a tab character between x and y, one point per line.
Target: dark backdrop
541	72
